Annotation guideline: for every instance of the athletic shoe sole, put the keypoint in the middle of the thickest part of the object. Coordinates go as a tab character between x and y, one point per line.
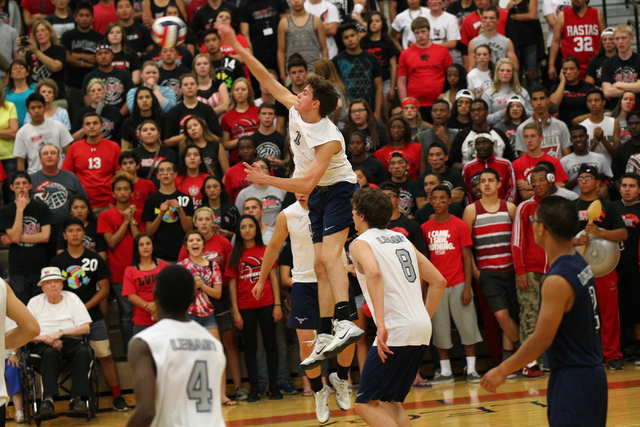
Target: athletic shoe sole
345	343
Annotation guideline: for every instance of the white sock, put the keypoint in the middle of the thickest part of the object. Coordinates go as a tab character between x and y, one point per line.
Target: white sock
445	367
471	364
532	364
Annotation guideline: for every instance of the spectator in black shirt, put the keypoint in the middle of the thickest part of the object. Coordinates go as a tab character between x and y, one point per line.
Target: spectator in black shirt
359	158
46	56
401	223
138	35
170	72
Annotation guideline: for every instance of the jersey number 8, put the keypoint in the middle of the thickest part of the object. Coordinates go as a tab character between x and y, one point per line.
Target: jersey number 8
407	267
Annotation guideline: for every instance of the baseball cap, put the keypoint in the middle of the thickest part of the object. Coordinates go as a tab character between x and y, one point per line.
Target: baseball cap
591	170
465	93
50	273
606	31
516	98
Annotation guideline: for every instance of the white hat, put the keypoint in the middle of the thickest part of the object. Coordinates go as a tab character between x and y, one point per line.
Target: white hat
516	98
465	93
50	273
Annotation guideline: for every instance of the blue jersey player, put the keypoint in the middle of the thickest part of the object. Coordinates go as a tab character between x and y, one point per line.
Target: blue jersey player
568	325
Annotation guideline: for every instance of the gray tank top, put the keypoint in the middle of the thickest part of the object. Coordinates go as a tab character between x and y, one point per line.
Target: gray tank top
303	40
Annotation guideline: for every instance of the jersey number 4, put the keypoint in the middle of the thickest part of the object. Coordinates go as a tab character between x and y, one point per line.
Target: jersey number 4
198	387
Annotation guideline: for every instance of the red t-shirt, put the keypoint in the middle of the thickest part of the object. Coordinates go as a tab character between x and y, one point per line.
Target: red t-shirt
580	36
45	7
228	50
216	249
121	256
525	164
192	186
425	70
142	189
235	180
142	284
445	241
247	273
472	24
95	165
412	153
103	16
239	124
192	8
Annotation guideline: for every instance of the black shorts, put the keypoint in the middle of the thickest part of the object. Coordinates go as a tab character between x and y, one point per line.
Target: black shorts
629	298
305	309
330	209
389	381
500	290
577	396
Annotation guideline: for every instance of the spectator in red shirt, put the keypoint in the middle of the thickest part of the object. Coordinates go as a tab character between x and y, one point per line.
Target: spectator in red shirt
241	119
524	165
236	178
104	13
400	135
422	68
192	172
94	160
34	10
120	225
142	188
472	23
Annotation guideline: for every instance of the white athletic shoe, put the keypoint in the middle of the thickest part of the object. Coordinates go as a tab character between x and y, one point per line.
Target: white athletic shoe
345	332
323	413
343	400
317	356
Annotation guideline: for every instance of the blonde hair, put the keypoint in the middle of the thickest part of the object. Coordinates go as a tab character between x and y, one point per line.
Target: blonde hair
48	26
94	81
203	209
212	71
325	68
250	98
624	28
514	83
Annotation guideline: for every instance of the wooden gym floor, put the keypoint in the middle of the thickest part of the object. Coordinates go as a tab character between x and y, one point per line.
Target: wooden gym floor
518	402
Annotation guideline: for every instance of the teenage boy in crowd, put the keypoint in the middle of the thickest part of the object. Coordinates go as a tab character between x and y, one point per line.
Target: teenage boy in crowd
142	188
490	221
437	157
86	274
627	268
534	139
485	158
609	226
119	226
604	131
167	214
27	224
439	132
398	171
449	246
401	223
582	155
269	142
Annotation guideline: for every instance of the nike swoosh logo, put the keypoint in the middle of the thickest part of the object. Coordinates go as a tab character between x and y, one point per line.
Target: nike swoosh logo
359	394
319	352
328	228
344	335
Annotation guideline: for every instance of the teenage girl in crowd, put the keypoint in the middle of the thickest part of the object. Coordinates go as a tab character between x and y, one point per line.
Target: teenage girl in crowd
481	76
192	172
411	112
505	85
456	80
460	115
226	213
197	132
252	308
210	91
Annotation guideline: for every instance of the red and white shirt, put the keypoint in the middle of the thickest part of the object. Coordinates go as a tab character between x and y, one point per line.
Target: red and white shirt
445	241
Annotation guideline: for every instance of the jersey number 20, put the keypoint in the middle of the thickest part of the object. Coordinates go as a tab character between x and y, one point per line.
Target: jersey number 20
198	387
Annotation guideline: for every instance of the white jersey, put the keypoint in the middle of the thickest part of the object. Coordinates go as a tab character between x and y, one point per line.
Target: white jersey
189	365
4	396
306	136
608	125
405	314
299	226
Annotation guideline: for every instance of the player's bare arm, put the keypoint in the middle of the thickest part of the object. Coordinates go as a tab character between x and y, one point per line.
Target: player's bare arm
366	262
280	234
557	298
144	383
282	94
303	185
28	327
437	282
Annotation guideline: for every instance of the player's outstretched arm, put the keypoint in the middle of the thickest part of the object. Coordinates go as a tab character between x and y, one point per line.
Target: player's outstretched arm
144	383
28	327
282	94
280	234
437	282
557	299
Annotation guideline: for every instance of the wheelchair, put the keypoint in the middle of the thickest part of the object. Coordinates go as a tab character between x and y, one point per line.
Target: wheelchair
32	388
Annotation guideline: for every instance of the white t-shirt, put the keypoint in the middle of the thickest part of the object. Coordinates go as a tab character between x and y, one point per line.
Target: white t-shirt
30	139
305	137
553	7
299	226
477	80
444	28
571	164
189	364
402	24
67	314
405	314
608	126
328	13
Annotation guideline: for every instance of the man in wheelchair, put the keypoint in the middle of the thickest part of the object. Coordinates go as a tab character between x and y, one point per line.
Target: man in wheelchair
63	321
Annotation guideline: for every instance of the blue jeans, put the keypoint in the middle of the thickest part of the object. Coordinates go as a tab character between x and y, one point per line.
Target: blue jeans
25	286
125	309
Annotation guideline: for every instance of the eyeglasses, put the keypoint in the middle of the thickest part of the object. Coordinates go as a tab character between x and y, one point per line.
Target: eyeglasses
532	220
585	178
358	110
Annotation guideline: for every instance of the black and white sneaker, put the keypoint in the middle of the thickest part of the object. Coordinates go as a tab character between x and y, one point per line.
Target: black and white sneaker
345	333
317	356
120	405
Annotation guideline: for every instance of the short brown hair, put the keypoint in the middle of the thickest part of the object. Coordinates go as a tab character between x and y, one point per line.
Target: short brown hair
325	92
420	22
533	125
121	176
375	205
